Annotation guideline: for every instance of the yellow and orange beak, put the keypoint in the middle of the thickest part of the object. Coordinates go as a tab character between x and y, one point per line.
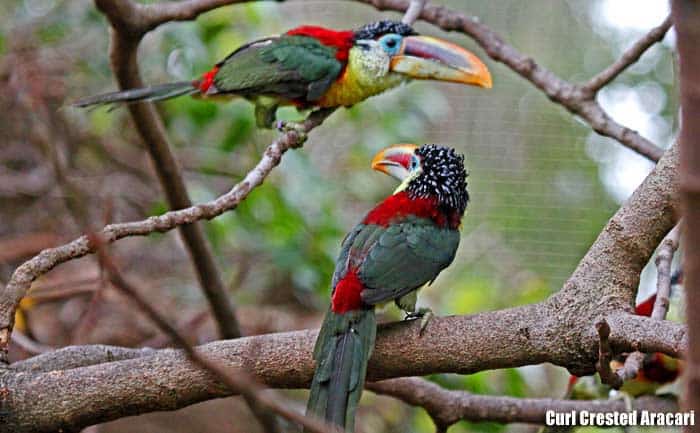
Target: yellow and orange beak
429	58
395	160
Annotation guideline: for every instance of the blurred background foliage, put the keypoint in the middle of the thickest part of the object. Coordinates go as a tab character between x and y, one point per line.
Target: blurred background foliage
542	184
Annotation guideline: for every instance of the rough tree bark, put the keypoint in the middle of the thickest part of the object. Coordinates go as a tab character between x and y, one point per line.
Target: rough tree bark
686	15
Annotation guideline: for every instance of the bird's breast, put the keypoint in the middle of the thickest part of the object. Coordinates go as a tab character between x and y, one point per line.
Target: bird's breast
353	86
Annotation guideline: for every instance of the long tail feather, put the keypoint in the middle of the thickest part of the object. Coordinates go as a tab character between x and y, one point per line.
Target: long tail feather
342	351
151	93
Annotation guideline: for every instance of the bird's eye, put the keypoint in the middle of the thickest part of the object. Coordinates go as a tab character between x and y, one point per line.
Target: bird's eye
414	163
391	43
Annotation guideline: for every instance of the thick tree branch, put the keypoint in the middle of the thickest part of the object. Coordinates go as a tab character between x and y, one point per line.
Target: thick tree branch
25	274
686	17
575	98
136	385
447	407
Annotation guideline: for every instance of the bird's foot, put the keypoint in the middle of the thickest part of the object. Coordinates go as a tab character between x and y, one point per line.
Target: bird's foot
424	314
285	127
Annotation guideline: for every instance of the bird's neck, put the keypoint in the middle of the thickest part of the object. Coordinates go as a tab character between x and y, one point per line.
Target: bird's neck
400	206
362	77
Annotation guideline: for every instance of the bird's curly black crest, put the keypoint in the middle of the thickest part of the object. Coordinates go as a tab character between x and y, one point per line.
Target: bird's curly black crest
443	176
380	28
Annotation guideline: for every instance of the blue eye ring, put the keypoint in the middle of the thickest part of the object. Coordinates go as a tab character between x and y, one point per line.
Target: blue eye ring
414	163
391	42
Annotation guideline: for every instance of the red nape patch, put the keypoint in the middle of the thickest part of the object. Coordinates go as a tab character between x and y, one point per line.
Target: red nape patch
346	296
207	79
401	205
646	307
342	40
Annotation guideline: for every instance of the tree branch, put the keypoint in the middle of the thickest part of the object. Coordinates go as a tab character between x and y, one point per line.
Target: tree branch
605	356
630	56
26	273
575	98
664	258
413	11
686	17
447	407
136	385
161	13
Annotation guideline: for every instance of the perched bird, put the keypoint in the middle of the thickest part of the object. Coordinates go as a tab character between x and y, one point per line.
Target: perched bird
316	67
400	245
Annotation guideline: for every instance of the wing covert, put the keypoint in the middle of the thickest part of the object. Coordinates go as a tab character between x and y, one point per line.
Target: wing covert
405	257
294	67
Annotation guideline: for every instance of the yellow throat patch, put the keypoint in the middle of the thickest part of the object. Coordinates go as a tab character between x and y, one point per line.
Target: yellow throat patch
363	77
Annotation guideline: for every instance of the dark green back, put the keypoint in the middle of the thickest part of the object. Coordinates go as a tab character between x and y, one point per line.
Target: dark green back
292	67
395	260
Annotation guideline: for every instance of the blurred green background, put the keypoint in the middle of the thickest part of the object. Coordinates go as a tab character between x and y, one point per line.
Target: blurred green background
542	184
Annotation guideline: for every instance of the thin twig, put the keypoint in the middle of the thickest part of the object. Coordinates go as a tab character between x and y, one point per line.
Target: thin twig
413	11
629	57
446	407
237	381
664	258
605	356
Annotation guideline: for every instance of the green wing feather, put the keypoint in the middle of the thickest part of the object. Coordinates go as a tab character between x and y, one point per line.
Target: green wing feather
404	257
294	67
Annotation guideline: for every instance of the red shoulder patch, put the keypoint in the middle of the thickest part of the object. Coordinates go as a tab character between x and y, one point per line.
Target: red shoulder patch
347	293
342	40
401	205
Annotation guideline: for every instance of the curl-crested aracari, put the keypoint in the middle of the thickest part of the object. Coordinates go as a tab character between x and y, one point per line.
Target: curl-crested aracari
400	245
316	67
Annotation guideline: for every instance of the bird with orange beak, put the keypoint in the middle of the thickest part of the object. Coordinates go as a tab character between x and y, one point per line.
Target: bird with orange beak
317	67
402	244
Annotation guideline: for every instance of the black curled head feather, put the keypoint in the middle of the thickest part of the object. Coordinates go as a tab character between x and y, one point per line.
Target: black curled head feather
443	176
380	28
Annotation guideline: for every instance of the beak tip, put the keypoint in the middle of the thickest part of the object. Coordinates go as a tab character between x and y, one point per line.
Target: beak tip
487	82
